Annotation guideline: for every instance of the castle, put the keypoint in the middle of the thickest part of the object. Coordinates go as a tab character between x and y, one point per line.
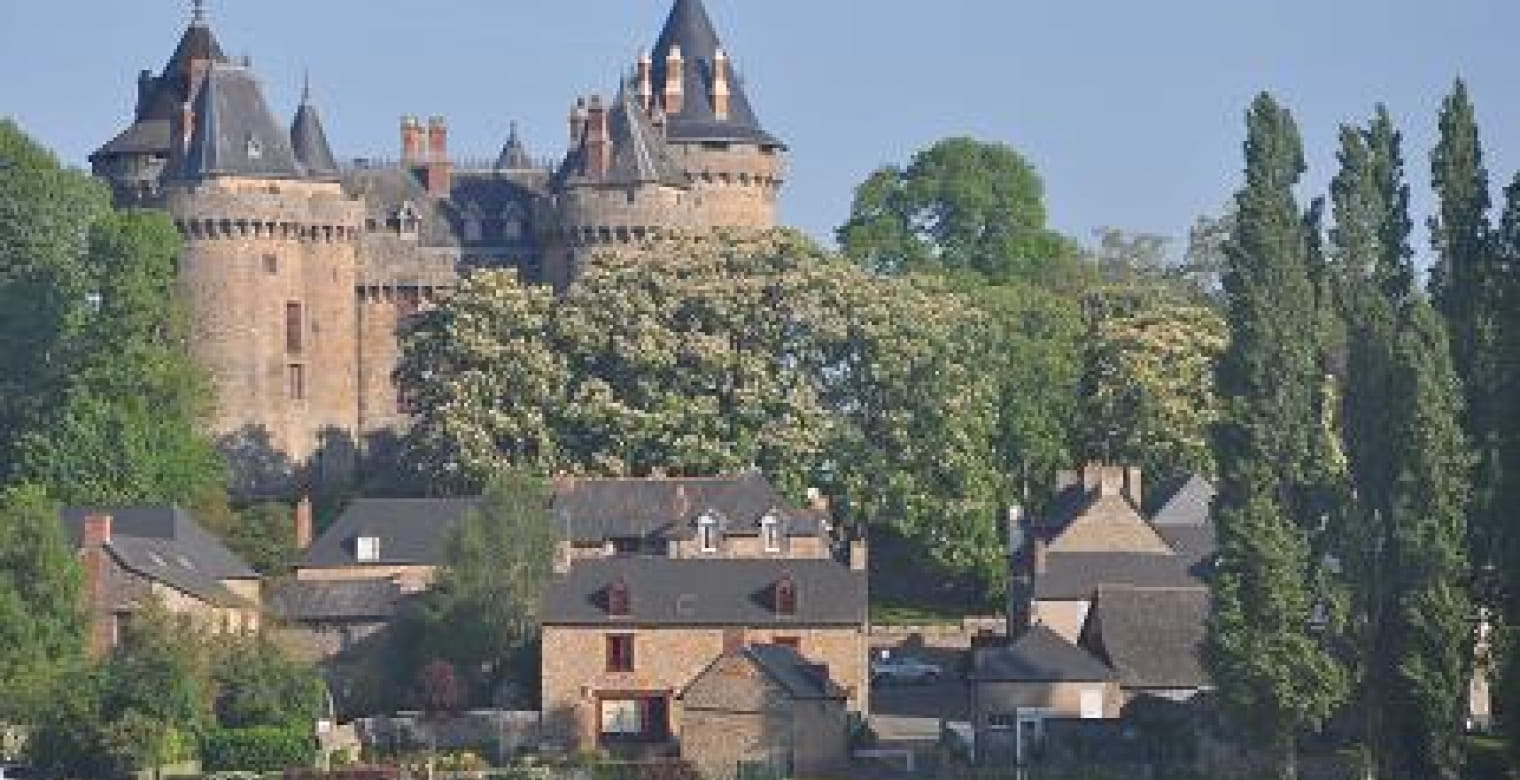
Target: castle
298	271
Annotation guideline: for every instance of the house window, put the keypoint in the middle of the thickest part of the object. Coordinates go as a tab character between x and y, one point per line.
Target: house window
618	599
770	534
620	653
294	335
295	382
707	534
1092	703
786	596
367	549
622	717
271	264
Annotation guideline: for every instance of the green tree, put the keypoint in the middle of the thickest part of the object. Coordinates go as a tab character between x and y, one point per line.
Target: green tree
720	354
42	621
1506	610
255	684
960	207
264	535
1275	676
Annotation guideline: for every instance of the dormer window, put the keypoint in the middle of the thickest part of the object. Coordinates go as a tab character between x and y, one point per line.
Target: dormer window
786	596
707	534
367	549
255	151
408	221
618	599
770	534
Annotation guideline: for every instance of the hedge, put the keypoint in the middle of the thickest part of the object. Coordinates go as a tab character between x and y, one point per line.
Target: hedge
260	749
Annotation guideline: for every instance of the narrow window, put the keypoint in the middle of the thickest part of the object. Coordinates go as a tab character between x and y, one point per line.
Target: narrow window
294	335
620	653
271	264
770	534
786	596
295	382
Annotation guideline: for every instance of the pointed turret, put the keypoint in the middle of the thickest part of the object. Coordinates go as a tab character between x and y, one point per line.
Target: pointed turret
309	141
698	80
234	132
514	156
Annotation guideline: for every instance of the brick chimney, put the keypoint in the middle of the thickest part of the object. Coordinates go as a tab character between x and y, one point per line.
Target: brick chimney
720	88
439	174
97	566
675	80
860	554
1037	551
646	81
598	140
1132	487
412	142
303	523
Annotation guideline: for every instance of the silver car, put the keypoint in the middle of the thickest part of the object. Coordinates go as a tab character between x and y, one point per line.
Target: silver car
904	670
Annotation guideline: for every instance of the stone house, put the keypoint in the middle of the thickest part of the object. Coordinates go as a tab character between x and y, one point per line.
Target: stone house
657	578
1039	676
764	705
352	580
133	557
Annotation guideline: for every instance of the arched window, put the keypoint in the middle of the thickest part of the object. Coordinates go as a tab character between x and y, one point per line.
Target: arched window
786	596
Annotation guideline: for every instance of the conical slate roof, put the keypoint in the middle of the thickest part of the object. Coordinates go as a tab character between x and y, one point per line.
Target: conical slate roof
692	29
309	141
235	134
150	131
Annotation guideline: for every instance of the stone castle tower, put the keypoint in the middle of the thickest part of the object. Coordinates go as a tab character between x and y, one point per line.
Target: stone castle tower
299	273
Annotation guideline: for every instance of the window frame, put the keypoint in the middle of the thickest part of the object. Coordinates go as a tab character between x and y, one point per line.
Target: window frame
367	549
771	538
709	540
621	653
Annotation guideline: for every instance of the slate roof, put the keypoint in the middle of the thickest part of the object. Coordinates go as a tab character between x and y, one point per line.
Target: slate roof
342	600
690	27
730	592
639	154
784	666
385	189
412	532
1108	523
1078	575
1152	636
309	142
160	104
165	544
235	133
1189	506
1040	655
591	510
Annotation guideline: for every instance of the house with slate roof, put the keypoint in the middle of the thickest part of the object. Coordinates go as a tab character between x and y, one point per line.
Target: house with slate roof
764	706
299	270
1107	605
139	556
656	579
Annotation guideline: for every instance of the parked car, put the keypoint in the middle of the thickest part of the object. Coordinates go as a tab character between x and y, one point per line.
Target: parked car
904	670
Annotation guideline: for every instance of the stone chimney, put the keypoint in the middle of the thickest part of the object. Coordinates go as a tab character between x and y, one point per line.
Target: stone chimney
1037	554
563	557
97	568
720	89
1104	479
411	142
1132	487
675	81
598	140
646	81
860	554
439	170
303	524
577	123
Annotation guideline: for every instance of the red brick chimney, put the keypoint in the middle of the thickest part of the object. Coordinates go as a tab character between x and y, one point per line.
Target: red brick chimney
96	562
303	523
439	177
598	140
675	81
411	141
720	89
646	82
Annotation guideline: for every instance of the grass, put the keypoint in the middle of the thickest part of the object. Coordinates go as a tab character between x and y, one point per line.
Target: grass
914	615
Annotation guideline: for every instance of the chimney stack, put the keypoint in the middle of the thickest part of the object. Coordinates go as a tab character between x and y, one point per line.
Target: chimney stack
96	535
598	140
860	554
303	523
439	171
1037	553
578	123
646	82
675	80
1132	485
411	141
720	89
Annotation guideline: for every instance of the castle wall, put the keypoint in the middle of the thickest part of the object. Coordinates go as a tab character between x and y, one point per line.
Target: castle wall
268	275
733	185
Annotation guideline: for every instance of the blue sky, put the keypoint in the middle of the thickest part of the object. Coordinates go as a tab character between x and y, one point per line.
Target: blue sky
1132	111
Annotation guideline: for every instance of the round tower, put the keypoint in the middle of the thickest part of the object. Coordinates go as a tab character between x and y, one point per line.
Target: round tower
268	274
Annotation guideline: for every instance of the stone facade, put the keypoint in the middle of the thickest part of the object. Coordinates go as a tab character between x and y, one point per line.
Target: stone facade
298	278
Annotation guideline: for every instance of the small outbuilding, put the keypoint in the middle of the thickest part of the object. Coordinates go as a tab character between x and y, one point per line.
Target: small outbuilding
764	705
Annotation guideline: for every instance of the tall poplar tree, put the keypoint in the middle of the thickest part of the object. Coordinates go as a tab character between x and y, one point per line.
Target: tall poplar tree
1274	673
1507	248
